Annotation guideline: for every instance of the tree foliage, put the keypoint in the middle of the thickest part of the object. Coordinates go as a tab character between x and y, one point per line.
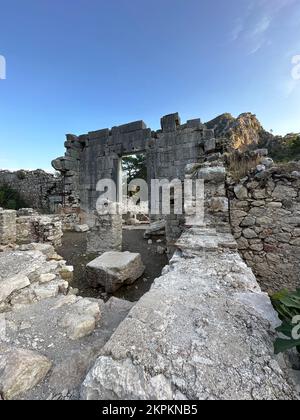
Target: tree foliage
135	167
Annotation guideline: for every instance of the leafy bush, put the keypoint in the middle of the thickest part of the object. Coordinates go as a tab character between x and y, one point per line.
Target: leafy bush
287	304
10	199
285	149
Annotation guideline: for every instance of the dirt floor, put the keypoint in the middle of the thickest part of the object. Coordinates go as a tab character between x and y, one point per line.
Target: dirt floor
73	250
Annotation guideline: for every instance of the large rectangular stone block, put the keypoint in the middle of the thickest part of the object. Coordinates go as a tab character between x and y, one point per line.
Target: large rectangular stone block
114	269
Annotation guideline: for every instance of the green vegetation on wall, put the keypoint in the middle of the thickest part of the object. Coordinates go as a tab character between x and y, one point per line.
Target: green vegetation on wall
10	199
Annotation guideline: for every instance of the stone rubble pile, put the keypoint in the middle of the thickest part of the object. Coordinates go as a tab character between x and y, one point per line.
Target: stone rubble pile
32	273
26	226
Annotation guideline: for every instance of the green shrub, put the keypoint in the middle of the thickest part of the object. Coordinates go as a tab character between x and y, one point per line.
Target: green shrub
287	304
286	149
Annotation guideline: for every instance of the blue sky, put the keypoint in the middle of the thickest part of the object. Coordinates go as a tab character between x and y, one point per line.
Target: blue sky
79	65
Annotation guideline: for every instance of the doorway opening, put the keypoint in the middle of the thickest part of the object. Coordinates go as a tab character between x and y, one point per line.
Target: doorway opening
136	221
132	173
133	189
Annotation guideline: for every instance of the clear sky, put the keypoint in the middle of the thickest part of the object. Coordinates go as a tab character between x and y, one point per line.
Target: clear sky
79	65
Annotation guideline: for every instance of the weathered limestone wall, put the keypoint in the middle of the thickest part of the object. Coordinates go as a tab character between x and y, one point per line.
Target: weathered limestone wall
32	273
39	189
265	218
70	217
96	155
27	226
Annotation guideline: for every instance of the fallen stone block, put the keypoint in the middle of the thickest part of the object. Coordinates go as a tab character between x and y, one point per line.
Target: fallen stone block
46	291
212	174
12	284
46	249
156	229
78	326
82	228
20	371
114	269
46	278
81	317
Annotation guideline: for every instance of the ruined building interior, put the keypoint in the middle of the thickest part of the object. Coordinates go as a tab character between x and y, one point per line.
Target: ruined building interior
185	313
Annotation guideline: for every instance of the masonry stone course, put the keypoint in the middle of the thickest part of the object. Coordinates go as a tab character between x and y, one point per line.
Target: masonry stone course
264	220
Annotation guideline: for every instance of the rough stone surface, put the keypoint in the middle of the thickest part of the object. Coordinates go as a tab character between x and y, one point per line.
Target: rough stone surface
105	234
265	221
8	230
12	284
40	330
20	370
81	320
114	269
31	275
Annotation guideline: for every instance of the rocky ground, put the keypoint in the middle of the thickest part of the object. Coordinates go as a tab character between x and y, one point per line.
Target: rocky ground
49	337
59	339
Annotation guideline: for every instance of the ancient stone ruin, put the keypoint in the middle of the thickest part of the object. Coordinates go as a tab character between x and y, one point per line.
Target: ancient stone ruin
206	327
37	189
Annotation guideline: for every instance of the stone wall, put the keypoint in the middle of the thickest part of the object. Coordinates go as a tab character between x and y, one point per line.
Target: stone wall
265	218
106	234
39	189
96	155
27	226
70	217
